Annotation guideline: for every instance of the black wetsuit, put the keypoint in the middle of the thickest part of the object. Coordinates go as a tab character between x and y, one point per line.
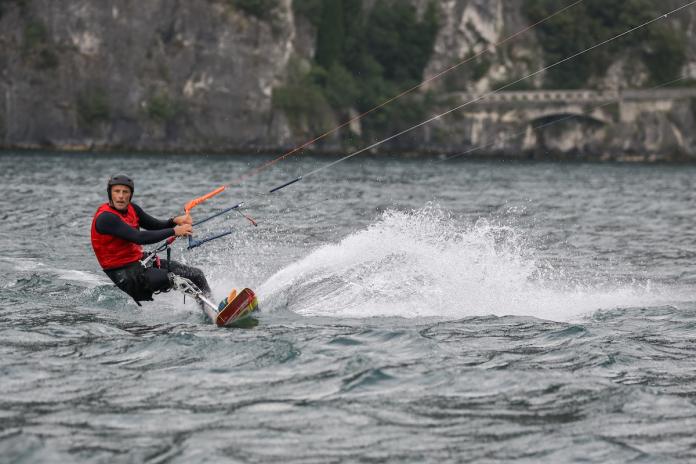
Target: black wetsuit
140	283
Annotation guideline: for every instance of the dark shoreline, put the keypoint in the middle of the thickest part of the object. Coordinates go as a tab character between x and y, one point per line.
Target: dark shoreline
651	159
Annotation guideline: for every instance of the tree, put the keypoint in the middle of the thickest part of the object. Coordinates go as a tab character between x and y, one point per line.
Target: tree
330	36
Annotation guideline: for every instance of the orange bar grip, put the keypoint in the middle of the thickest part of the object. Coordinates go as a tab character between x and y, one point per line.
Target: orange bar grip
197	201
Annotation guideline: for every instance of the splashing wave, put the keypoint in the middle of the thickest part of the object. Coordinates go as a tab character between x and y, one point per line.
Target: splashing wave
425	263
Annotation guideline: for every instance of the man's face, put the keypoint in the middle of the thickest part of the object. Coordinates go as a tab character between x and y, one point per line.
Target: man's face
120	196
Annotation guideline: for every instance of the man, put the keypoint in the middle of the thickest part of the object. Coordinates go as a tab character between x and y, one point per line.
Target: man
117	242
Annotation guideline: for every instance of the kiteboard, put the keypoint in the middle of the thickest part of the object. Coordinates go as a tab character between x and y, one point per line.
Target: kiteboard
236	307
231	310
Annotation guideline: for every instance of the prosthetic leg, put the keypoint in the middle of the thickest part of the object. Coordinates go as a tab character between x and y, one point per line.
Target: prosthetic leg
187	287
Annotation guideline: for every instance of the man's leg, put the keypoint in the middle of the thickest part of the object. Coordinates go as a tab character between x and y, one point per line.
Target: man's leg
138	282
191	273
157	280
141	283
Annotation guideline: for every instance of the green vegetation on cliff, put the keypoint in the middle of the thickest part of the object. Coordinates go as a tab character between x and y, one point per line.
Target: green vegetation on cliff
661	47
93	106
303	101
38	49
162	108
363	57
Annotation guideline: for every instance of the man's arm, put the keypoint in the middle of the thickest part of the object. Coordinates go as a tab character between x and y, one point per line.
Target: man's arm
109	223
150	223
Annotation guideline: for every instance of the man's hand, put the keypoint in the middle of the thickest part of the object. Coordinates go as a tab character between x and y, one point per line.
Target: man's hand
183	229
181	220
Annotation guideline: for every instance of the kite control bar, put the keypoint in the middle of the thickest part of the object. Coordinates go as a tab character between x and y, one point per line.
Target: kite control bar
192	242
220	213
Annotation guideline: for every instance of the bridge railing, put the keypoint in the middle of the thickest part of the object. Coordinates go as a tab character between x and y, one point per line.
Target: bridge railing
575	96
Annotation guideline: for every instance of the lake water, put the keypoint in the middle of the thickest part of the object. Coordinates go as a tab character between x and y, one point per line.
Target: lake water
411	311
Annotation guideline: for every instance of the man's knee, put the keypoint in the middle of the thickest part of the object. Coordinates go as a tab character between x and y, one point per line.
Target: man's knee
197	276
189	272
157	280
194	271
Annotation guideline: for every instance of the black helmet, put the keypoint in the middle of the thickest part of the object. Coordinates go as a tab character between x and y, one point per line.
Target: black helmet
119	179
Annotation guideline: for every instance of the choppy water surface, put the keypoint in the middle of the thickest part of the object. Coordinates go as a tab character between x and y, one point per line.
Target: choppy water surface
412	311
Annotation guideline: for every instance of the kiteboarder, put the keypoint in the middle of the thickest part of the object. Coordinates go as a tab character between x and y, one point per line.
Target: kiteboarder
117	242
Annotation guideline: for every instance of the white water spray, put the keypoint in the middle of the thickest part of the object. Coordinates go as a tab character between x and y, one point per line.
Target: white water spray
426	264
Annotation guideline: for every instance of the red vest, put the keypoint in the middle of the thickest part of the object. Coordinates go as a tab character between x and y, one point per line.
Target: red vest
113	252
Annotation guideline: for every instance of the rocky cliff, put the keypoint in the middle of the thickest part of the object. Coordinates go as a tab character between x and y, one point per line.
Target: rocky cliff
160	74
199	75
657	125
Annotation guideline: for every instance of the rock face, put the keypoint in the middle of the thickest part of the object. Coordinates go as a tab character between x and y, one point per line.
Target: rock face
160	74
474	28
641	127
198	75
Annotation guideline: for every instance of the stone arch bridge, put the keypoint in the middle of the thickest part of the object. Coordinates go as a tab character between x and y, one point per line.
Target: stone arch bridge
602	107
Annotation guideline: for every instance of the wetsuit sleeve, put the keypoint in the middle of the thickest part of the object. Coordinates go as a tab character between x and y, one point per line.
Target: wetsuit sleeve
110	224
150	223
